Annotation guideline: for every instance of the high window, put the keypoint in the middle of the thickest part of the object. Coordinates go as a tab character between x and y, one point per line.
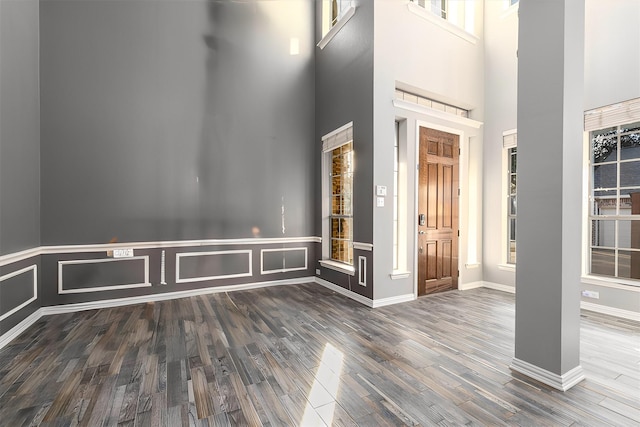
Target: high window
396	205
333	11
614	217
338	189
460	13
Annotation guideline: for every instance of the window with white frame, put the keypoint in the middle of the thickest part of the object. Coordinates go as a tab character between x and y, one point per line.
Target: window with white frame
511	210
509	143
614	215
339	166
460	13
396	176
332	12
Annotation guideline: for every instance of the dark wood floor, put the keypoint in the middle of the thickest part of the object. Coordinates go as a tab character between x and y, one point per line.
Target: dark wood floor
303	355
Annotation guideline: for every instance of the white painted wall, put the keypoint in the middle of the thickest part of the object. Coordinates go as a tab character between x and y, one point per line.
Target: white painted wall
430	60
612	74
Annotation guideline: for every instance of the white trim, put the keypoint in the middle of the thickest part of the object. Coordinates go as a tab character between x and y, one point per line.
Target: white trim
611	311
393	300
346	292
362	271
14	332
615	283
338	266
421	109
499	287
363	246
284	269
94	305
337	27
507	267
509	10
337	131
249	273
19	256
33	268
472	266
559	382
175	244
397	275
470	285
442	23
61	264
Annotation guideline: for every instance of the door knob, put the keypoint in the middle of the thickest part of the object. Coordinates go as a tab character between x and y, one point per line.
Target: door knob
422	232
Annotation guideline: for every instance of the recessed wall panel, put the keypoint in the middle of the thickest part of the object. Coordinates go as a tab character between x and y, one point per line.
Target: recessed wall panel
17	290
94	275
203	266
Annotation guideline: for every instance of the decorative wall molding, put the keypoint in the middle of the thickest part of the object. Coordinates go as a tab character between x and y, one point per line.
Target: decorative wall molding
559	382
176	244
104	247
248	273
420	109
19	256
362	271
34	270
285	269
363	246
61	264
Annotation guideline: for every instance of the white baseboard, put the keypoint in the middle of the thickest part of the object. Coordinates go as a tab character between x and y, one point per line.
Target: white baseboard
364	300
14	332
471	285
499	287
611	311
559	382
346	292
93	305
393	300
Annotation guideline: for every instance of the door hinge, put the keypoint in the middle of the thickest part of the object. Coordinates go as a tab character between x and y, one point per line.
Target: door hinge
458	233
418	167
458	192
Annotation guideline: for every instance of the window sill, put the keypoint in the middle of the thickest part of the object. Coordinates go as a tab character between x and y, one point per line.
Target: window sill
442	23
337	27
398	274
616	283
338	266
507	267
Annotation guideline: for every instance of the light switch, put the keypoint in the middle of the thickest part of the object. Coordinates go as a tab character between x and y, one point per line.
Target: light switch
381	190
380	202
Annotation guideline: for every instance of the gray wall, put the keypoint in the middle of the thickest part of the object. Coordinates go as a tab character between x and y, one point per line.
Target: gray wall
170	120
19	126
344	93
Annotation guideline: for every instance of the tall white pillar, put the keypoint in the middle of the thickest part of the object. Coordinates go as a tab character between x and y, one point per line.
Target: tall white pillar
550	191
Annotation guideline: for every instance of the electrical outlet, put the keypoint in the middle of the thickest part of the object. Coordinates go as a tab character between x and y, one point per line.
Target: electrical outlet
591	294
317	271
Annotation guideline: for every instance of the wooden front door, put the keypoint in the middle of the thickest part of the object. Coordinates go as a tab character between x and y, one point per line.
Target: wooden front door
437	211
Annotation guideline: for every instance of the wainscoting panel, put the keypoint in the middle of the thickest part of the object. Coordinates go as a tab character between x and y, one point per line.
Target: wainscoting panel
204	266
282	260
18	289
102	274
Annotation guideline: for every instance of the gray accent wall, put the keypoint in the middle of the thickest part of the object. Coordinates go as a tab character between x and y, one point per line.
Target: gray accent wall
173	120
19	127
344	93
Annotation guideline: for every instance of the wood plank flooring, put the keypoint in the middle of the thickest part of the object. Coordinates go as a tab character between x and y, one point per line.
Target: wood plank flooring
306	356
